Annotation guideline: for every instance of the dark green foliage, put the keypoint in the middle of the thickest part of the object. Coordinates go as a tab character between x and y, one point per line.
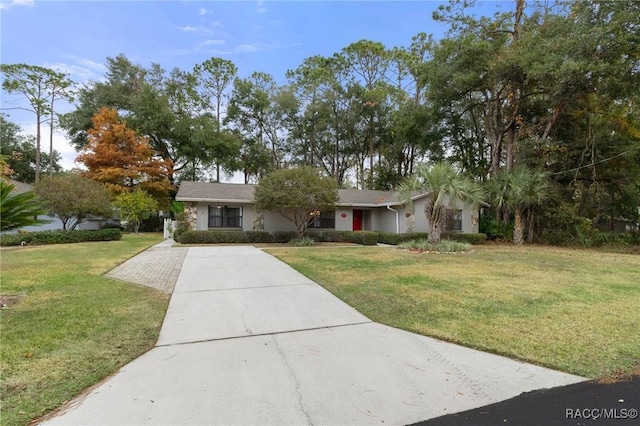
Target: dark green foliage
366	238
495	229
60	237
286	236
468	238
395	239
224	237
18	210
181	224
301	242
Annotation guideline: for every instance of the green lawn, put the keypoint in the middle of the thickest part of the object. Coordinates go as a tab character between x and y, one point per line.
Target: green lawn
71	327
571	310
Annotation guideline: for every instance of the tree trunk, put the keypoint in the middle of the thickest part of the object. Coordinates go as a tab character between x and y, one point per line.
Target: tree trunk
517	228
530	233
51	140
436	232
511	142
38	138
435	218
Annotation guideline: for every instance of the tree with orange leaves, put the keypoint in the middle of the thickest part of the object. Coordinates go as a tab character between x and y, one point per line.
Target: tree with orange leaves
123	160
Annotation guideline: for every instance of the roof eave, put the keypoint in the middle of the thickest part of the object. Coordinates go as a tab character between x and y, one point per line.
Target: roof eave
214	200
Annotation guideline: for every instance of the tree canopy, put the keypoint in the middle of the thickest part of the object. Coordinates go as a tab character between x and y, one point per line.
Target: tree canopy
74	199
444	188
550	86
123	160
296	194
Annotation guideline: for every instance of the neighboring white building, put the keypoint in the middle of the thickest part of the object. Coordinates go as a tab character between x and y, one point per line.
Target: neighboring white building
229	206
54	223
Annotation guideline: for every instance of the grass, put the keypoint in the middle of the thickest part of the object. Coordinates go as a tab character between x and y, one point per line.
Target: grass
70	327
567	309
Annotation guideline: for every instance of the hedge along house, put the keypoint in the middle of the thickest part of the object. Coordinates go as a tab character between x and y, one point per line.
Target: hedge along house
229	206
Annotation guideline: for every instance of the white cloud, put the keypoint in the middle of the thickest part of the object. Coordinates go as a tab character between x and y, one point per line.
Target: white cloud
7	4
204	11
60	144
187	29
246	48
191	29
261	7
80	70
255	47
212	42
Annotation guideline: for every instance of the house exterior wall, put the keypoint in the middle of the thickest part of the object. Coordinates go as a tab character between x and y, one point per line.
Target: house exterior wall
274	222
375	219
384	220
202	218
344	223
469	217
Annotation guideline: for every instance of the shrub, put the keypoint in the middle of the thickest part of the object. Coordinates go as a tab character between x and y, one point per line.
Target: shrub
259	236
60	237
301	242
444	246
366	238
181	225
395	239
284	236
389	238
495	229
224	237
468	238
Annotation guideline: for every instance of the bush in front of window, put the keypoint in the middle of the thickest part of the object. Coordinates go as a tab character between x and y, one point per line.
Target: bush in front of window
225	237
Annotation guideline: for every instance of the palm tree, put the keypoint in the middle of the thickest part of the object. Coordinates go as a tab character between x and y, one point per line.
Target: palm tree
18	210
441	183
519	190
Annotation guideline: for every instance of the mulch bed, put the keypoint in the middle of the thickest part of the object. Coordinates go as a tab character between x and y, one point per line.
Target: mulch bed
587	403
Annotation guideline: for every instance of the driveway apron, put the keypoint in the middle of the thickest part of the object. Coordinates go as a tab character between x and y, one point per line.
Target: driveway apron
248	340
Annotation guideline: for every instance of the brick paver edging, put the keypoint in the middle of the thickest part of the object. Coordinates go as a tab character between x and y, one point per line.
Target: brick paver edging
157	267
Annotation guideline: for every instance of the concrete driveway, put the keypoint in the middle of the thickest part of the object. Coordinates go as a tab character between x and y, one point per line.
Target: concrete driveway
248	340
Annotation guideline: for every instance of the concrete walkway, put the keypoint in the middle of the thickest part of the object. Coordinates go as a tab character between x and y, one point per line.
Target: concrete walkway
248	340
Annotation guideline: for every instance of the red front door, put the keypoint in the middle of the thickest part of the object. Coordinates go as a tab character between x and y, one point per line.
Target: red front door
357	220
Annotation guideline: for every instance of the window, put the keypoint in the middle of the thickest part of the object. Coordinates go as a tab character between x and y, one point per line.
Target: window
454	220
225	217
323	220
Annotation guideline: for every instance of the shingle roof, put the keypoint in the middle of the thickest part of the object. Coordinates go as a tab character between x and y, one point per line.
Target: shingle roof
366	197
20	187
234	192
220	192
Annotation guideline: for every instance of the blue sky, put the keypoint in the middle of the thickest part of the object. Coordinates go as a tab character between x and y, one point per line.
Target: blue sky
268	36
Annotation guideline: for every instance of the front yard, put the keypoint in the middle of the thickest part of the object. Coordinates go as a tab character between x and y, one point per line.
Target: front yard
65	326
572	310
